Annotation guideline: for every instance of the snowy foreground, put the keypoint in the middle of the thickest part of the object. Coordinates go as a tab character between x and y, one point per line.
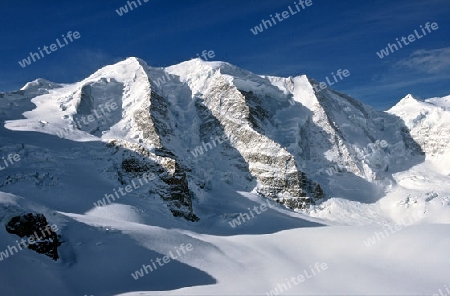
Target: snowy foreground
397	244
113	243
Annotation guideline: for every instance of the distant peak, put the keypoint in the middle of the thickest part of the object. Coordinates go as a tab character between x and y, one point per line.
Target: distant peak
39	83
408	99
406	102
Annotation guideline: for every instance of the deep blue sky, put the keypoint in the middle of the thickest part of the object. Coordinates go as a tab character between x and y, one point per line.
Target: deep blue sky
322	38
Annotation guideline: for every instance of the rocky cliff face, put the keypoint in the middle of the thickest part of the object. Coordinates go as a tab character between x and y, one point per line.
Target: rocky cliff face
168	181
279	135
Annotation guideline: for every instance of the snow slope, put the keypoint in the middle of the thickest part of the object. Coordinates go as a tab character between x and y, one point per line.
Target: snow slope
382	229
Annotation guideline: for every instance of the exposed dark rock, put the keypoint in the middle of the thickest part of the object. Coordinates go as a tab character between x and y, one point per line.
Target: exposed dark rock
134	165
46	241
174	188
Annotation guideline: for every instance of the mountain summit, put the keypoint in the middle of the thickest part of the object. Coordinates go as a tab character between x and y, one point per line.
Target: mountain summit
201	125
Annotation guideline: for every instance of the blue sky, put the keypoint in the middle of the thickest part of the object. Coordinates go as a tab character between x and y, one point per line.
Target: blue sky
320	39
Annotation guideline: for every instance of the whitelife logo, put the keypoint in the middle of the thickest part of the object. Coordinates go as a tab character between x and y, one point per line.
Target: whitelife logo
128	188
280	288
199	150
442	293
33	56
339	73
11	158
411	38
378	236
166	259
26	242
285	14
124	9
245	217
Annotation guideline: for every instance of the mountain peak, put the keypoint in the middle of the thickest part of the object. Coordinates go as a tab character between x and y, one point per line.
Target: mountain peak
39	83
38	87
199	63
409	97
407	101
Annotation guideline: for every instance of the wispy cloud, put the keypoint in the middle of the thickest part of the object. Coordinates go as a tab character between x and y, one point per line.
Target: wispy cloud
434	61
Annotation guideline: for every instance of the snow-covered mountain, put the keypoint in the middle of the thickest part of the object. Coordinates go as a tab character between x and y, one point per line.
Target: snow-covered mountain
281	149
137	160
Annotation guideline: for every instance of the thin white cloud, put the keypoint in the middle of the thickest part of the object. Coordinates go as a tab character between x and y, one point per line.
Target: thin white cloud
434	61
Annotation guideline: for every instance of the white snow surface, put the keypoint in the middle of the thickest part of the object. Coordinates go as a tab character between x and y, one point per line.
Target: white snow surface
351	234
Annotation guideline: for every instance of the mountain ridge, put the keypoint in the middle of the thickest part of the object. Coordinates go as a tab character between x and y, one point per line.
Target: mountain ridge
254	112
